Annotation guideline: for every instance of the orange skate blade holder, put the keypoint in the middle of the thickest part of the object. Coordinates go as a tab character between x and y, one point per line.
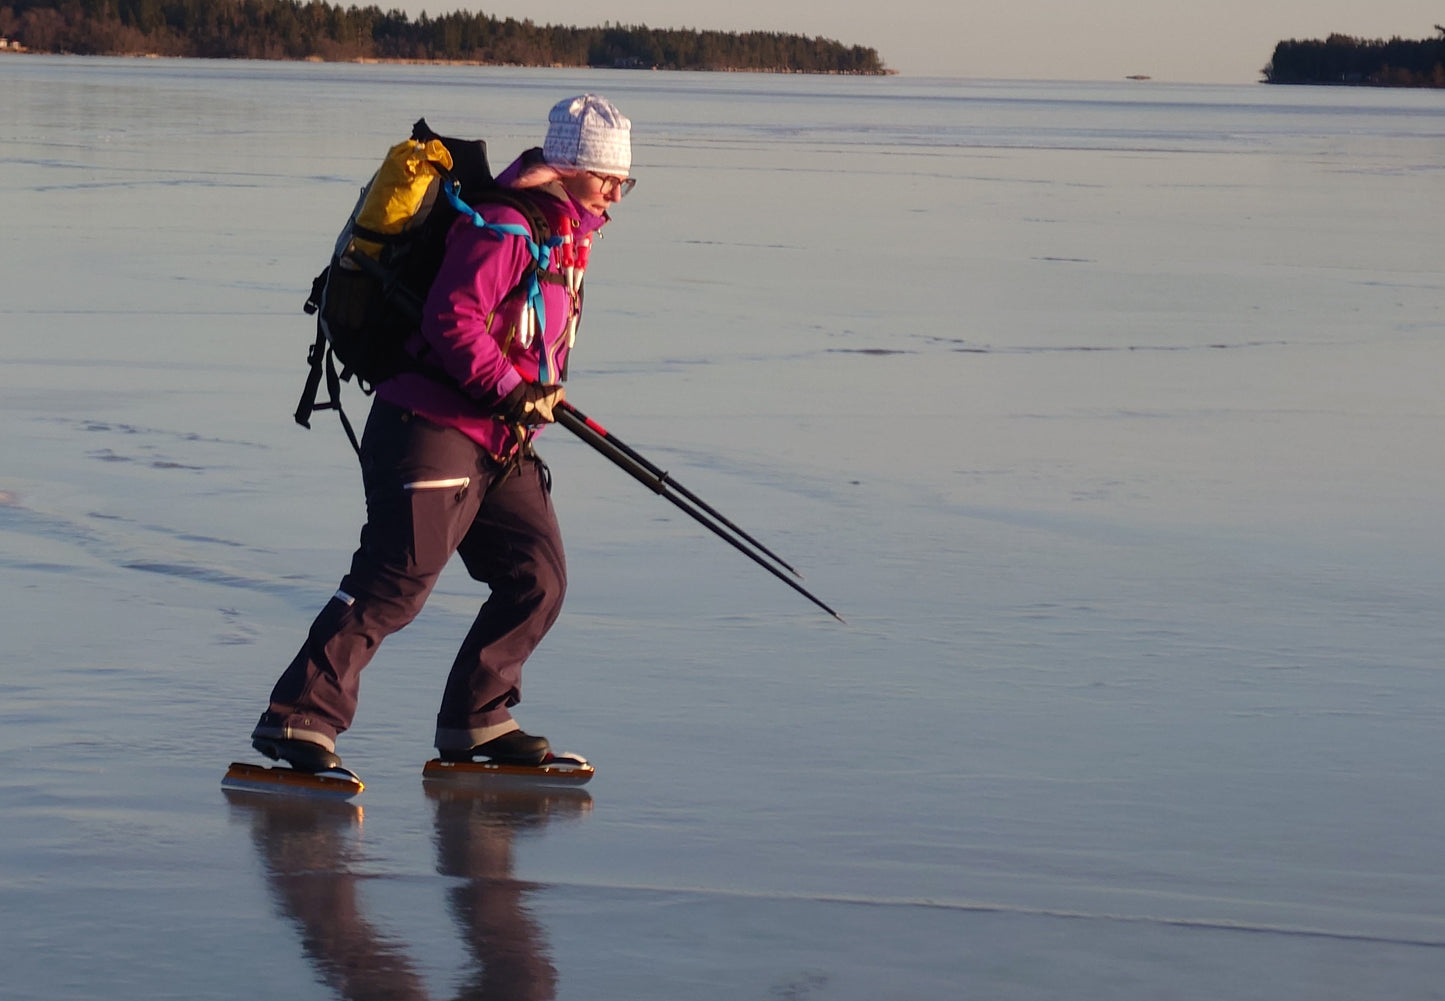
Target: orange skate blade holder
557	770
339	783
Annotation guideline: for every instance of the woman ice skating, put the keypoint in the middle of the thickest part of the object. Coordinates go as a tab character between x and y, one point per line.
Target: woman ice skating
448	464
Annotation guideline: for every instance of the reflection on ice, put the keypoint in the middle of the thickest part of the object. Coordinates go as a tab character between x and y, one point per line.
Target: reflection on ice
309	848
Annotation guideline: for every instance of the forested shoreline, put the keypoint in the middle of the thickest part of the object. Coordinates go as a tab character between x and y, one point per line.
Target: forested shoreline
288	29
1340	59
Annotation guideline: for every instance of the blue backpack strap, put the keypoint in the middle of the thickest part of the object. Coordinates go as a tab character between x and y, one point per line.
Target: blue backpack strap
541	252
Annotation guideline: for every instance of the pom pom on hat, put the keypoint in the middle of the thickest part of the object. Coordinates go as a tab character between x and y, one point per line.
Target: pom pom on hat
588	133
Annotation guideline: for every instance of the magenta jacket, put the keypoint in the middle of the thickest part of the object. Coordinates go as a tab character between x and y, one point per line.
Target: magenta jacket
470	328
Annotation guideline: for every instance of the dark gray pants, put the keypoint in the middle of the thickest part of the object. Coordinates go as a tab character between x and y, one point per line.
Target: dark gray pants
431	492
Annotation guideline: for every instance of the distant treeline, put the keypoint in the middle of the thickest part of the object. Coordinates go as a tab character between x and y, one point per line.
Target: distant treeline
1342	59
286	29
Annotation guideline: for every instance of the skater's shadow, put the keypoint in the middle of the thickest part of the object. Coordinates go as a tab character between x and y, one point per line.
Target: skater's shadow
314	868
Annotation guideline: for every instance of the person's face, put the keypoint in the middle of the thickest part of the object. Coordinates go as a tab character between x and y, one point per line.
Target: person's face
594	191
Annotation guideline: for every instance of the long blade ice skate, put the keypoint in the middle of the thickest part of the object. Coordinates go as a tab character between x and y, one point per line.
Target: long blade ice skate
557	770
338	783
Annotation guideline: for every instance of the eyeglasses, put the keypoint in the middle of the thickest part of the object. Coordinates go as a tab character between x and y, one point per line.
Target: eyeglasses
610	183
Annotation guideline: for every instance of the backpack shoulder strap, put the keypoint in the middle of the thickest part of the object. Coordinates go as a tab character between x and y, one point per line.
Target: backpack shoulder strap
539	229
537	233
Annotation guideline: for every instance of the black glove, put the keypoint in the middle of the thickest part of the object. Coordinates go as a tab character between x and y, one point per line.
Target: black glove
531	403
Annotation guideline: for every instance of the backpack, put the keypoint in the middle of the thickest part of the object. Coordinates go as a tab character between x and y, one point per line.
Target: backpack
368	300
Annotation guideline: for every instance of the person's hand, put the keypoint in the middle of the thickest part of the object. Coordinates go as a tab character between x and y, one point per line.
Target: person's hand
531	403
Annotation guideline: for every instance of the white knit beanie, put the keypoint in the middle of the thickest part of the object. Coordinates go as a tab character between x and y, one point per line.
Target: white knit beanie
588	133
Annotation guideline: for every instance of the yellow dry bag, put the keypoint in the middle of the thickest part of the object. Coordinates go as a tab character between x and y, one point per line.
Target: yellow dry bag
402	191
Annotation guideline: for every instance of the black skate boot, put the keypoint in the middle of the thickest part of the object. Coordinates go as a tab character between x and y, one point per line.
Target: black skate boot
302	755
512	748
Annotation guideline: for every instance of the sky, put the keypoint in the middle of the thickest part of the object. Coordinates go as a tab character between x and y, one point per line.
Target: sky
1196	41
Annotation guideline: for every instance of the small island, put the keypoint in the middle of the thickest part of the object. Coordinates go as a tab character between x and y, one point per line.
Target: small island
317	30
1340	59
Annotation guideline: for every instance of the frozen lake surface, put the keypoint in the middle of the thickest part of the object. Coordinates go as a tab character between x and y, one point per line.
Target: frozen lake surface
1109	415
